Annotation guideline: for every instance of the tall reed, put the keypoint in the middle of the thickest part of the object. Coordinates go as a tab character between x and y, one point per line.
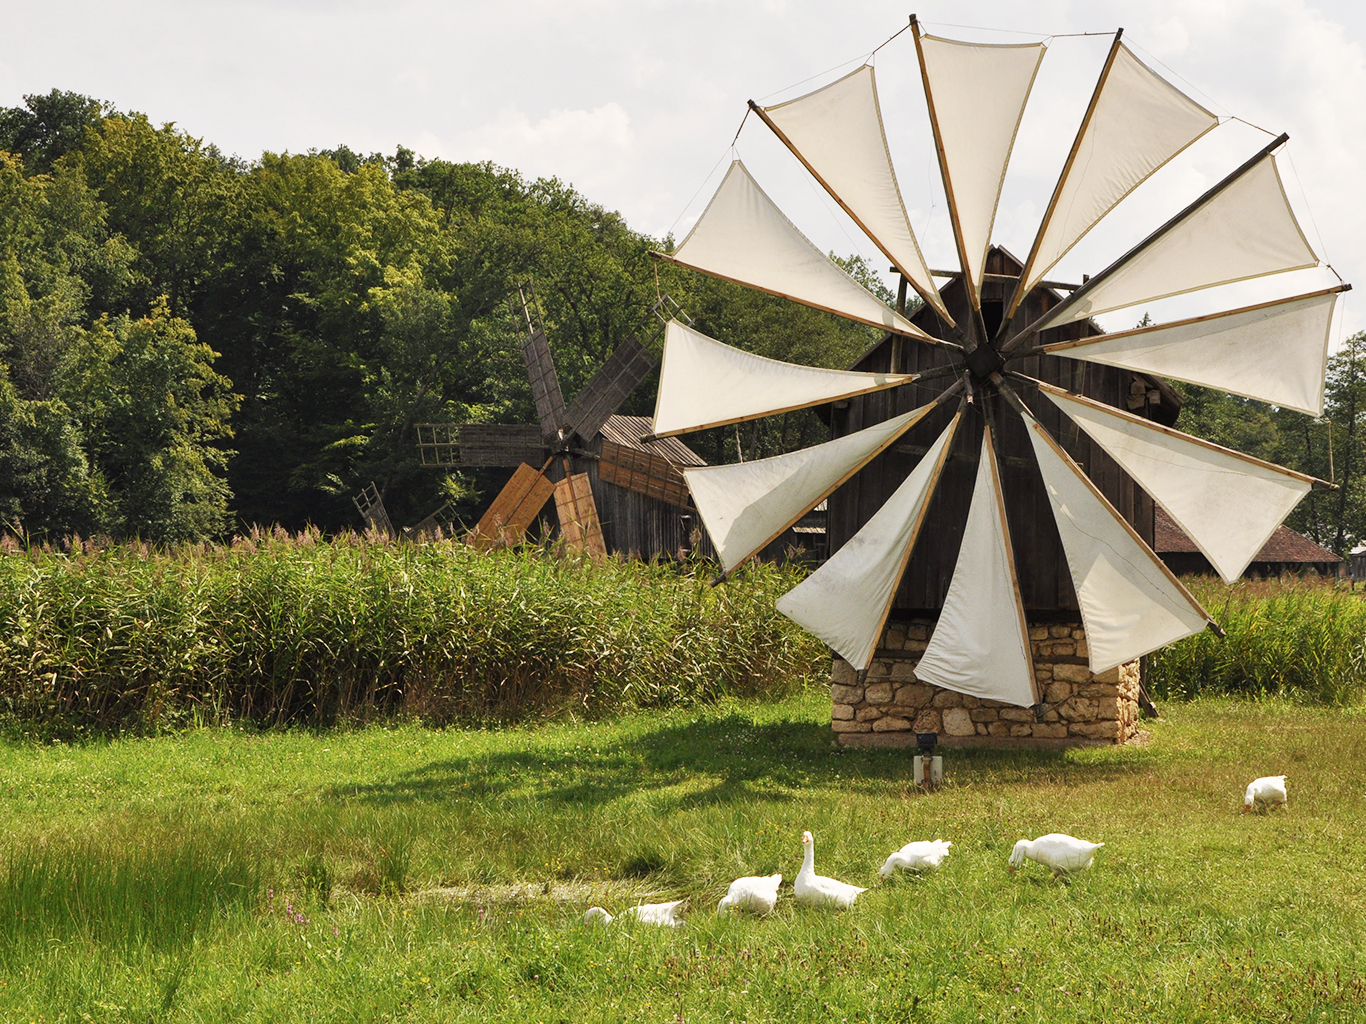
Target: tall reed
1304	639
277	628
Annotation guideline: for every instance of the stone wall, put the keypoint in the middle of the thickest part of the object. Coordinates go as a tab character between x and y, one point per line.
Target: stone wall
887	706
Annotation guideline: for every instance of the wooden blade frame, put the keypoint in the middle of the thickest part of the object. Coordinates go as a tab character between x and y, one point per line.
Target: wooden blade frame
499	444
578	512
545	384
371	507
643	472
629	364
516	507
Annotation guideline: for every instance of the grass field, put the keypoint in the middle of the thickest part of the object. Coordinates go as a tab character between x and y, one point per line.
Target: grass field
421	875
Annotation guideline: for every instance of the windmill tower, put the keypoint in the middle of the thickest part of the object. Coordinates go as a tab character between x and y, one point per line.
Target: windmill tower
616	488
996	458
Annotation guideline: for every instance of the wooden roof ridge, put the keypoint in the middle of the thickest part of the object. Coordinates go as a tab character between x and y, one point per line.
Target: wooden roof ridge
629	431
1285	544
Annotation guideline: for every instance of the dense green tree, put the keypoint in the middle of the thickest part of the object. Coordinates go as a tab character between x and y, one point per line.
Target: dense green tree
48	127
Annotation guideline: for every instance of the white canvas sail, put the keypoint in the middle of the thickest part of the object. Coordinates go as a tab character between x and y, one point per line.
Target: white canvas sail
1228	503
1130	604
745	505
845	602
1139	122
977	94
703	383
837	133
1273	351
1246	230
980	644
742	236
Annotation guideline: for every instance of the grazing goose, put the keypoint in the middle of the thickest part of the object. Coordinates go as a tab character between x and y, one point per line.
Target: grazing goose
756	893
1268	791
817	890
1057	851
664	914
917	856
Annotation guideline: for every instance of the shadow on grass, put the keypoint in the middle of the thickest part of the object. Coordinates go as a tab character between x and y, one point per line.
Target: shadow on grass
737	757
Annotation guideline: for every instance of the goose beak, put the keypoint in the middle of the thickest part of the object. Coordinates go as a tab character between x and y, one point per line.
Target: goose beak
1010	868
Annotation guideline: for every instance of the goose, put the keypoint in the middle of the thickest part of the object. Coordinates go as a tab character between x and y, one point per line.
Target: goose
757	893
663	914
916	856
1057	851
817	890
1268	791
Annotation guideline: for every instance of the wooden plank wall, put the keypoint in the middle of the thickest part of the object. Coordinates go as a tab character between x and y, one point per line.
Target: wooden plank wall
1044	580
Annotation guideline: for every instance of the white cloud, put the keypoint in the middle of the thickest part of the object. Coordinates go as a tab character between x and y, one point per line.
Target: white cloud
583	146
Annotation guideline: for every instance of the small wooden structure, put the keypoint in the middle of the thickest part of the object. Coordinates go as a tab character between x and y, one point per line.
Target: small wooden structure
1285	553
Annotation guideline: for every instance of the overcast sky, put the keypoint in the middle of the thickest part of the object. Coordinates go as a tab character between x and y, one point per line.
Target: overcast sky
635	102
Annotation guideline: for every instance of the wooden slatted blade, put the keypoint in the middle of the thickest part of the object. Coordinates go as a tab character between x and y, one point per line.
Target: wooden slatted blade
371	507
642	472
438	444
630	364
515	508
579	525
545	384
439	524
499	444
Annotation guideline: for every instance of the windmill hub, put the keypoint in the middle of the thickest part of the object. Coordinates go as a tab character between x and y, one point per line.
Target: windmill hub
984	361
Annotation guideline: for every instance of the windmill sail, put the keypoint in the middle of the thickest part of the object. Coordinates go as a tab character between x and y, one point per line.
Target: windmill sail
742	236
1137	123
1228	503
1130	603
980	644
703	383
845	602
1242	230
747	504
837	132
1274	351
976	94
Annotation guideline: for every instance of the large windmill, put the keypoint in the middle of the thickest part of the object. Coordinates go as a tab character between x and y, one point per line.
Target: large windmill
997	481
573	451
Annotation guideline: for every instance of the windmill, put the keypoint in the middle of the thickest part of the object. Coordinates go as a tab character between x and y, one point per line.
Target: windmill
964	433
573	447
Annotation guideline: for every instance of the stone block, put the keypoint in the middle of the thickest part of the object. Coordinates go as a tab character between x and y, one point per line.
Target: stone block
851	726
1108	676
1019	730
1043	673
1099	690
1055	692
1016	715
916	646
917	631
842	672
842	694
1050	731
892	725
1052	716
981	728
1083	649
902	671
1072	673
895	636
842	711
867	714
969	701
947	699
915	694
880	669
1078	709
878	693
927	721
958	722
1078	633
998	728
1107	707
985	715
1065	648
1060	631
1038	632
1095	730
899	710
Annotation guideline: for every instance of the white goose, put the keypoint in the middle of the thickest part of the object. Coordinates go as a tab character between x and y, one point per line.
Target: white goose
1268	791
1057	851
817	890
756	893
663	914
916	856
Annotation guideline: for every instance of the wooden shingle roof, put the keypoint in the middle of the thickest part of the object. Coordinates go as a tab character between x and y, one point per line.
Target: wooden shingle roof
628	432
1285	544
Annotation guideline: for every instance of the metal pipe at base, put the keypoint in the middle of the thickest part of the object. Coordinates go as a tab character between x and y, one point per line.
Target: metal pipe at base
936	770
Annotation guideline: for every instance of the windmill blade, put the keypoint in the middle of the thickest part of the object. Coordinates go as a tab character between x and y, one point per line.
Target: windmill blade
628	365
704	383
578	512
516	507
1274	351
837	134
980	644
976	94
642	472
846	601
499	444
743	237
1240	229
545	384
1130	602
747	505
1136	123
1227	502
371	508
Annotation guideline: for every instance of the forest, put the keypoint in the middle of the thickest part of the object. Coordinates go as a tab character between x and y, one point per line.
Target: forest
193	343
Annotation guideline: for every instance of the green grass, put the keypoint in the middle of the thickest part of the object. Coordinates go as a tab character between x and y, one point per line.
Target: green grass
433	875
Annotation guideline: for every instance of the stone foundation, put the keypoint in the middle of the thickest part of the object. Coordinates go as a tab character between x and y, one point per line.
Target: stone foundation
887	706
